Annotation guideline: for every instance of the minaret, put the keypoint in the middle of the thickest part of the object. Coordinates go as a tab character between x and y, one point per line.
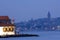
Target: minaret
13	21
49	16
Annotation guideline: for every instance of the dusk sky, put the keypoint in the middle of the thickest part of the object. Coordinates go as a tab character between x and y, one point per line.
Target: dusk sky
22	10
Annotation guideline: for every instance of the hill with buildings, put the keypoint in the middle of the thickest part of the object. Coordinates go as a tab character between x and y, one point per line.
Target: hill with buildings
40	24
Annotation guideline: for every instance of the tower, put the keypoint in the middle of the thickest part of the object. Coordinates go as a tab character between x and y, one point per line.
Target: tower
13	21
49	20
49	16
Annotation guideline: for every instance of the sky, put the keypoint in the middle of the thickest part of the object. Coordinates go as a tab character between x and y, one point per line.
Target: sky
23	10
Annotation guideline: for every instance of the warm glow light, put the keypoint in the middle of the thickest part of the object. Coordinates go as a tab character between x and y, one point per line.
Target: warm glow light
2	33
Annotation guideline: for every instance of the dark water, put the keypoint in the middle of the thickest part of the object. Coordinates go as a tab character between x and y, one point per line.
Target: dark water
45	35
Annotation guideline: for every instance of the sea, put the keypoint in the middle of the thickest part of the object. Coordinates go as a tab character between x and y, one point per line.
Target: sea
43	35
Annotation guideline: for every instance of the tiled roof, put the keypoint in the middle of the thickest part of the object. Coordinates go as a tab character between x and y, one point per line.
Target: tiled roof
4	18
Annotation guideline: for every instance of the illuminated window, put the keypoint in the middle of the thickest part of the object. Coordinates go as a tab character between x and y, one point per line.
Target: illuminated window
4	29
8	29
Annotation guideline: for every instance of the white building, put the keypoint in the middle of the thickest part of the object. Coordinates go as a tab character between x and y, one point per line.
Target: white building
6	27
